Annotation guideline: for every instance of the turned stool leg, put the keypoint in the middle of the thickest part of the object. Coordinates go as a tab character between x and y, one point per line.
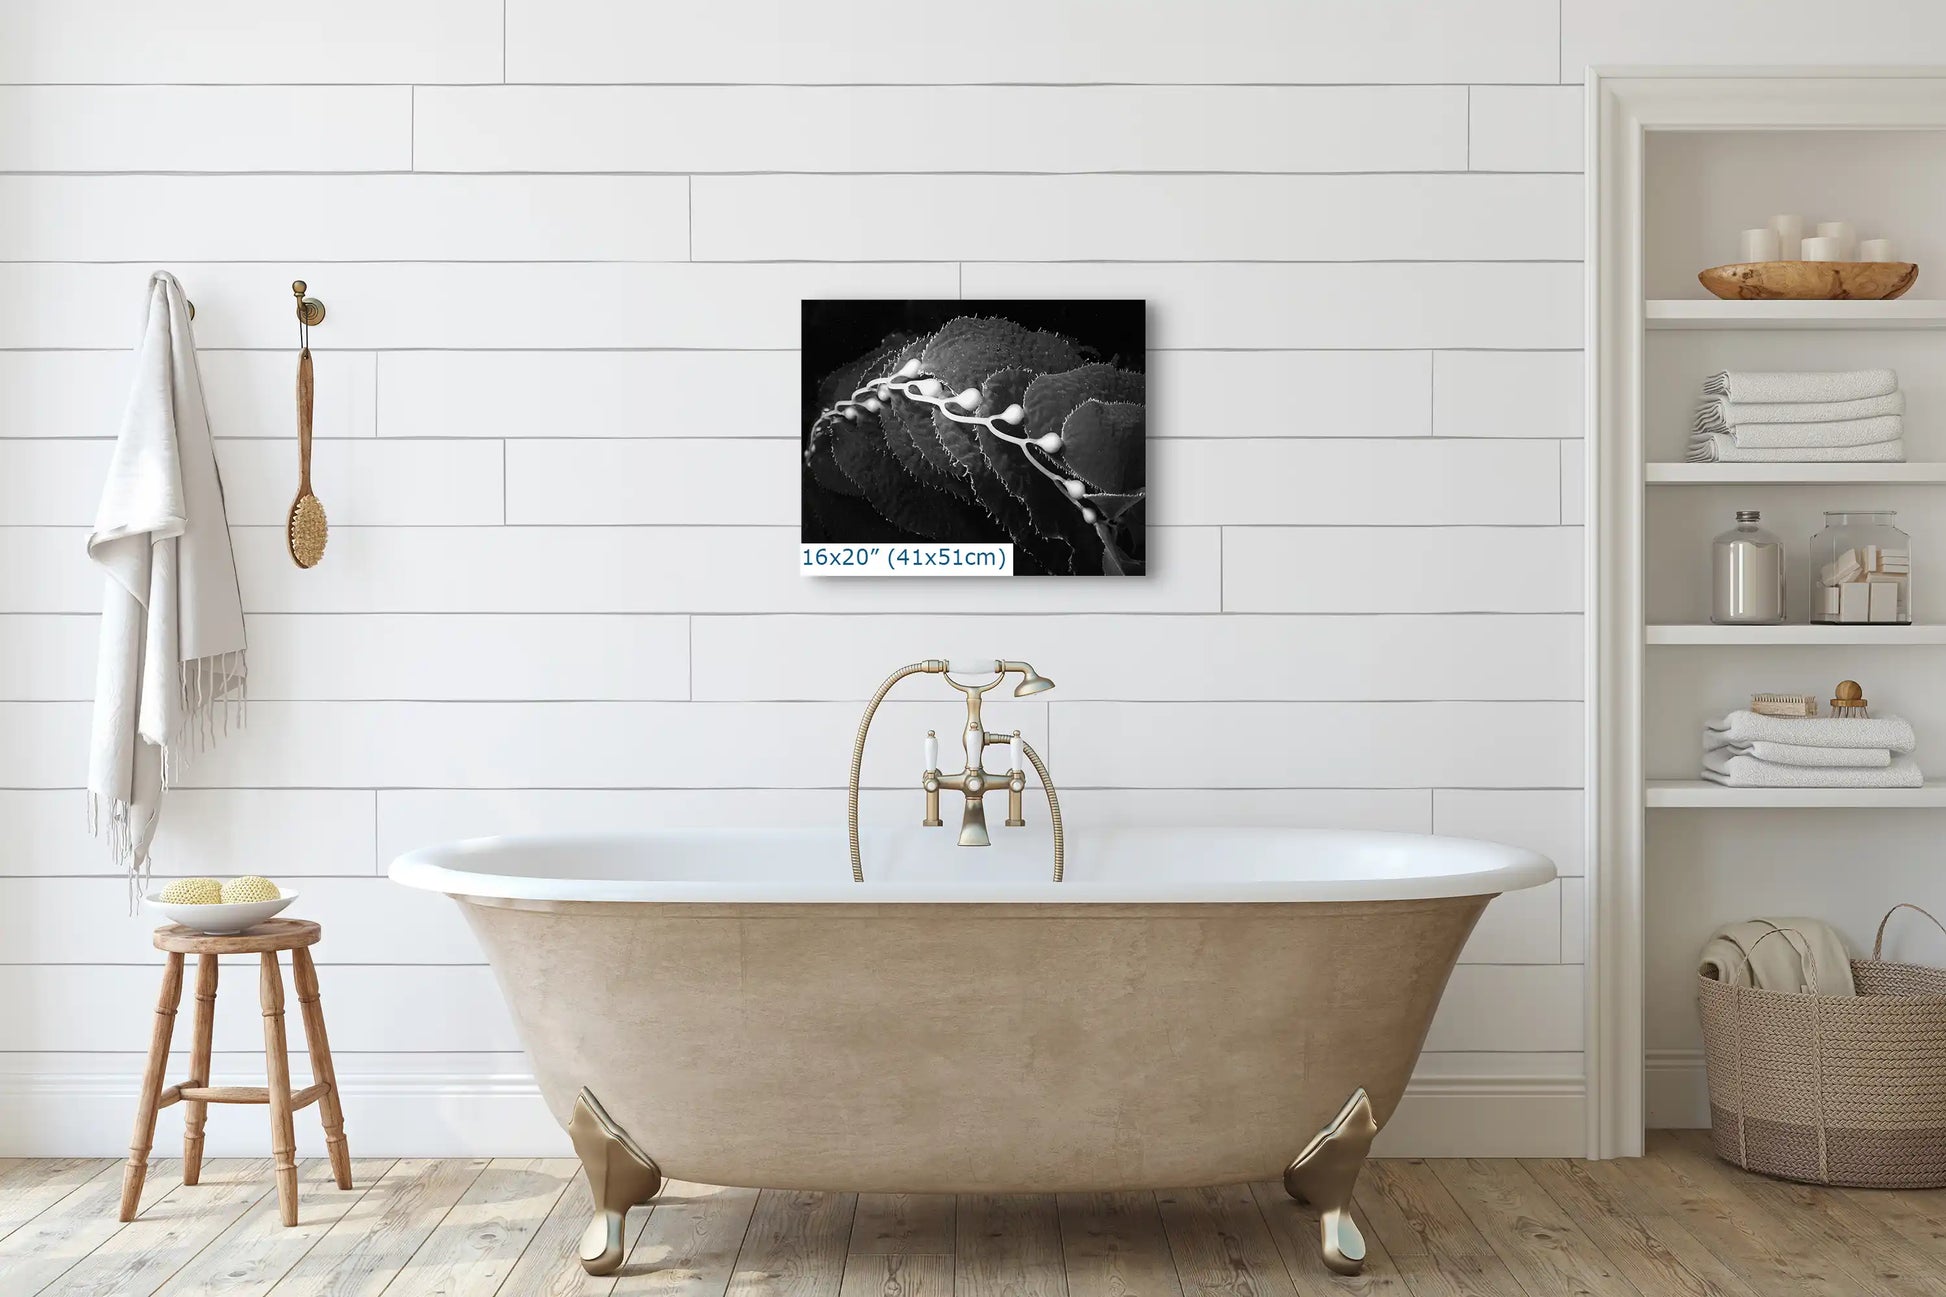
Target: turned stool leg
144	1136
305	974
277	1065
193	1110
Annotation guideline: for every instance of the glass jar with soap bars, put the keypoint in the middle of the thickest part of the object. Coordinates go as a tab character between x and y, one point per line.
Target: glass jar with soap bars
1861	570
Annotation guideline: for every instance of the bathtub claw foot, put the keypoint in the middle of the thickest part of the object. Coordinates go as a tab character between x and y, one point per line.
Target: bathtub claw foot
1323	1176
620	1176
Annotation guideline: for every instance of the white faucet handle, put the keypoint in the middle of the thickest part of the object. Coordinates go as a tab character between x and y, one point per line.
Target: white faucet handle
932	750
974	666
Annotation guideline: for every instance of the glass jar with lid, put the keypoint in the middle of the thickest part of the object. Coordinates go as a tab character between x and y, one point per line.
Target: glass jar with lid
1747	574
1861	569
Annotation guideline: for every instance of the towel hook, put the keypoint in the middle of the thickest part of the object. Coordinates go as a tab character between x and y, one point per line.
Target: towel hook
310	311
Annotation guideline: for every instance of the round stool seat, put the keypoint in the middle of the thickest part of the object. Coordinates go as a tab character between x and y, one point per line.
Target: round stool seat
269	936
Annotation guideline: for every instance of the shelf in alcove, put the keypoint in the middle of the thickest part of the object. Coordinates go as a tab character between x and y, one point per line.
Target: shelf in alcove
1710	313
1799	633
1688	474
1702	794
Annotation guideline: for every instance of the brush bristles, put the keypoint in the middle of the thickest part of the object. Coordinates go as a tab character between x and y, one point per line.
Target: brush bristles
308	531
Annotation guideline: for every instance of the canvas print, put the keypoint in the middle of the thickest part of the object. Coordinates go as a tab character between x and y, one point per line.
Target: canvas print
978	424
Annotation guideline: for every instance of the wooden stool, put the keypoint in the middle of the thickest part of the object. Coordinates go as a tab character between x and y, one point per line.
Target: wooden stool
196	1094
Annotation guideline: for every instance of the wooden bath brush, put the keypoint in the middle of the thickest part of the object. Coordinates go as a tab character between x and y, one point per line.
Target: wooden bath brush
307	529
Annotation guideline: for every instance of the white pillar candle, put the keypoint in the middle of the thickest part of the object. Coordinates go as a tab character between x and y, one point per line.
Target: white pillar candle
1846	236
1790	232
1820	248
932	750
1876	250
1760	245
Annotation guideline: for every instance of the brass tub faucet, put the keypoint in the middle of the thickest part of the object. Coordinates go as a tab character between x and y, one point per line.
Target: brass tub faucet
973	780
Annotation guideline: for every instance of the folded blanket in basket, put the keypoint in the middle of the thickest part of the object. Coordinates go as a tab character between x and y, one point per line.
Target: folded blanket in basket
1807	952
1791	434
1794	754
1745	387
1894	732
1721	448
1721	767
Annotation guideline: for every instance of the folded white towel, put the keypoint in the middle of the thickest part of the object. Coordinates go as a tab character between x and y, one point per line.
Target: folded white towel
1800	434
1806	955
1748	772
1720	448
1893	732
1721	414
1755	386
1797	754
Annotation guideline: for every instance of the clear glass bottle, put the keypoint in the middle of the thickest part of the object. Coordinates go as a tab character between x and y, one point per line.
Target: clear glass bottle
1861	569
1747	574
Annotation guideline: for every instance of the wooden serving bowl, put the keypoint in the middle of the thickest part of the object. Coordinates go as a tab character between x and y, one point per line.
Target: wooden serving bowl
1814	281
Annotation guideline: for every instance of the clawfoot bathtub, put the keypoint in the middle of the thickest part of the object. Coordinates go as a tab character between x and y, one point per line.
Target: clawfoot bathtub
1190	1007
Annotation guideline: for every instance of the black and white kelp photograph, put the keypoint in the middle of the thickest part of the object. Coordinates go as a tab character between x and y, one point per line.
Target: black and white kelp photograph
965	423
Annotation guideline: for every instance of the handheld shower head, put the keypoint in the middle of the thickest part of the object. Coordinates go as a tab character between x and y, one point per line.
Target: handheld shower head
1031	681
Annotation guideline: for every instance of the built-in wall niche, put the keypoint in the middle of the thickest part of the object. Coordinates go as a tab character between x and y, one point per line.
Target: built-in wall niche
1682	163
1702	187
1687	685
1677	362
1681	521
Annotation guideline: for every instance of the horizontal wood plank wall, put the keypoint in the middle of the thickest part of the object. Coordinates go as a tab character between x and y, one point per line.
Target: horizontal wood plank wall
563	243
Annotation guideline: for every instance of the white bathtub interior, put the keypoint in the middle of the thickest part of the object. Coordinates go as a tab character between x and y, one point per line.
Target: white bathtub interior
1160	865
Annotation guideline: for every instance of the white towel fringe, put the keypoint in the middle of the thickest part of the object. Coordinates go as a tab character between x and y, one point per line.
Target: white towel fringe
215	692
120	839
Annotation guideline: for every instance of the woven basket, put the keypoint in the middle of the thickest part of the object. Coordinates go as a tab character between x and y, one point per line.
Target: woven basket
1840	1090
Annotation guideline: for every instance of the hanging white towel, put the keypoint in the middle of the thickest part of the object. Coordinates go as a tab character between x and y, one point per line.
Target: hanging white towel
1720	766
171	672
1893	732
1742	386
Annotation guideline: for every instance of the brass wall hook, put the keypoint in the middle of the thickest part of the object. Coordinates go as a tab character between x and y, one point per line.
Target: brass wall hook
310	311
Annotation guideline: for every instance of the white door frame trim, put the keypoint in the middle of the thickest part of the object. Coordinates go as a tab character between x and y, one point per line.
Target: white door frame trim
1623	105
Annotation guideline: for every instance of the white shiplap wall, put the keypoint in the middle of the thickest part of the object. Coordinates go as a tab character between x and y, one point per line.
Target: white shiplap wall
562	243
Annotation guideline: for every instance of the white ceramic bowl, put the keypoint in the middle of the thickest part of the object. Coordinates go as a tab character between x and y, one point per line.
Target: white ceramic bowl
221	919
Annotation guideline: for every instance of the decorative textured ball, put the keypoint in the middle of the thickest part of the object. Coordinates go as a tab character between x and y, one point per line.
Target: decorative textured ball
249	888
193	891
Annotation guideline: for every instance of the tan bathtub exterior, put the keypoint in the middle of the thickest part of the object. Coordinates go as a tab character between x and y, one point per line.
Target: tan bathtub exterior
1018	1047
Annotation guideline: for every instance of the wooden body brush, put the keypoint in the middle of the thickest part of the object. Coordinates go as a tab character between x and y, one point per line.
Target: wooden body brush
307	528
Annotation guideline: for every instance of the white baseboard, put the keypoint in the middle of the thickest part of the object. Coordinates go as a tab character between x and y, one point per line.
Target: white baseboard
1488	1116
460	1114
474	1114
1675	1095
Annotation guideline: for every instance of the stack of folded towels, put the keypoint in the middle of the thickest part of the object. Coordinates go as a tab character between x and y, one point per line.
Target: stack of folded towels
1855	415
1748	750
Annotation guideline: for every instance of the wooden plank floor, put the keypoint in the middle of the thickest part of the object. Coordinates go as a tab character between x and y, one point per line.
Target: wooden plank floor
1677	1223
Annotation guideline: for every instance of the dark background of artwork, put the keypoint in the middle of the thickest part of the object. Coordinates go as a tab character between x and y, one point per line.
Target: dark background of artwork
837	333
